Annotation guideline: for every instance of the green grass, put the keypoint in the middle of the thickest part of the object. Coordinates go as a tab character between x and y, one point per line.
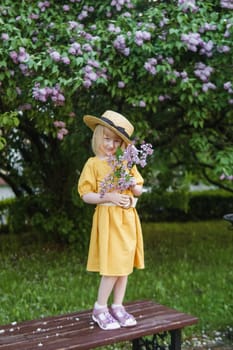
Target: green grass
189	266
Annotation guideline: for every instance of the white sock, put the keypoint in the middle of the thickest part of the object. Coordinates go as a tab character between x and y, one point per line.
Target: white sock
98	306
116	305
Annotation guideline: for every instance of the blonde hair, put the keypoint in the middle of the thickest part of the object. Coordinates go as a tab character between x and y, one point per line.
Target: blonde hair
98	138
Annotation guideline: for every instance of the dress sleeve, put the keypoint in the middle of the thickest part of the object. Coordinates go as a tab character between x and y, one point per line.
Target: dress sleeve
87	181
135	173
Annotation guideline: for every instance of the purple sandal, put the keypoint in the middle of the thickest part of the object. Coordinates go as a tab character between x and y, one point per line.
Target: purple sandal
104	319
124	318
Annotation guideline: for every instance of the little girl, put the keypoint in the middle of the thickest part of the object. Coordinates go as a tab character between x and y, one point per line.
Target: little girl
116	244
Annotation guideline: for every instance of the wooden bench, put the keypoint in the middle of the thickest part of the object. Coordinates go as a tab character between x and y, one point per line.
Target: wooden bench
77	331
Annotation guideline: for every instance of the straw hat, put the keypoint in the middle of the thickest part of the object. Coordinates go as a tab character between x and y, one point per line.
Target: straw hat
113	121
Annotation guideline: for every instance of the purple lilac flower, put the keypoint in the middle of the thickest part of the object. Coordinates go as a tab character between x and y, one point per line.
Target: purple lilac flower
87	47
55	56
58	98
141	36
113	29
23	56
226	177
34	16
194	42
4	36
227	4
18	91
65	60
87	83
223	49
93	63
75	49
227	32
25	107
59	124
43	94
162	98
208	86
62	130
43	5
121	163
73	25
66	8
184	75
118	4
24	69
203	71
227	85
19	57
126	14
14	56
170	60
61	133
92	71
142	104
87	36
121	84
39	94
188	5
207	27
164	21
120	45
207	48
82	15
150	65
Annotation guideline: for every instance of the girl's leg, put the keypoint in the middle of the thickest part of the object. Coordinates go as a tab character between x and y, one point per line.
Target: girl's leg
105	288
118	311
101	314
119	290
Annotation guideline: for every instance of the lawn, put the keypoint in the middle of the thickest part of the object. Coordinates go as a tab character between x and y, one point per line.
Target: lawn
189	266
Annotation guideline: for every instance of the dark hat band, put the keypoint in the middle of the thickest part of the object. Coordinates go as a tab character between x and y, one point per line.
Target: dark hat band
119	128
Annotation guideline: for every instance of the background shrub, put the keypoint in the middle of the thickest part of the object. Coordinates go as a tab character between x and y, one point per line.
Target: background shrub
27	213
182	206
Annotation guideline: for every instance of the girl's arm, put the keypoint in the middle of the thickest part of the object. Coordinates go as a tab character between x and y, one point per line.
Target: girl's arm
137	190
137	187
116	198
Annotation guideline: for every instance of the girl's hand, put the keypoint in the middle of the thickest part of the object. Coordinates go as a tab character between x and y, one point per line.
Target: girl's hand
122	200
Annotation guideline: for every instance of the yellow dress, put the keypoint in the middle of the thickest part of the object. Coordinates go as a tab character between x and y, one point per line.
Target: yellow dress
116	243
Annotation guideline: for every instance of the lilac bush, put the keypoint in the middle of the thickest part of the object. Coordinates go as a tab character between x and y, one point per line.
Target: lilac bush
166	65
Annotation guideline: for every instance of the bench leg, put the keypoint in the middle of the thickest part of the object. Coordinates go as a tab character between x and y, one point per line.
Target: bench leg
148	343
154	344
176	339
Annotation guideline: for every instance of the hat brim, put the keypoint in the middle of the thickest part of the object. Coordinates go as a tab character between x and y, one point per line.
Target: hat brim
92	122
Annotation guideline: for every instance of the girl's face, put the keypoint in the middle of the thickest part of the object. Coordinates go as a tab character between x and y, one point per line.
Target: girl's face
111	142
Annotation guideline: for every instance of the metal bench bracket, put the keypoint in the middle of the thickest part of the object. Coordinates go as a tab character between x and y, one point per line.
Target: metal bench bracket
159	341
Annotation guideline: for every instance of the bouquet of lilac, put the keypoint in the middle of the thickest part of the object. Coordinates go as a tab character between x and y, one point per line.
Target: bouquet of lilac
121	163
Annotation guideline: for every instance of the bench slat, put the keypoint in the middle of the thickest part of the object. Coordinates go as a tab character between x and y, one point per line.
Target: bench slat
77	331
